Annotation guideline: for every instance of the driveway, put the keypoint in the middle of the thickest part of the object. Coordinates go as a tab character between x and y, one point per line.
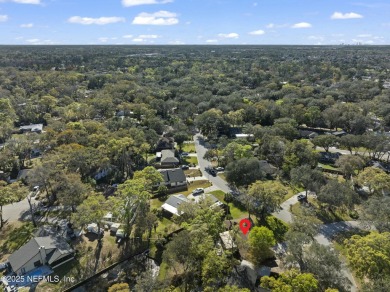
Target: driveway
326	231
18	211
218	182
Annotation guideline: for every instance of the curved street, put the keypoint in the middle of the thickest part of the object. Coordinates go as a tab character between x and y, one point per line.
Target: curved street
326	231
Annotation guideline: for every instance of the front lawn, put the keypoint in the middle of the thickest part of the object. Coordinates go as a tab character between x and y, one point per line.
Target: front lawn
237	212
192	172
196	184
323	214
190	160
189	147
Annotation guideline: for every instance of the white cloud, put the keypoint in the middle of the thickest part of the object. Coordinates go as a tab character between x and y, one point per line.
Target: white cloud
36	2
270	25
316	38
231	35
176	43
158	18
3	18
301	25
98	21
128	36
32	41
128	3
257	32
27	25
211	41
103	39
148	36
364	36
350	15
138	40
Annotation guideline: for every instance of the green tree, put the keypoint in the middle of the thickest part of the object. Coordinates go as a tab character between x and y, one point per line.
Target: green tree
325	141
375	179
291	281
151	175
299	153
233	289
244	171
266	197
369	255
119	287
308	178
335	195
92	210
134	196
215	269
261	239
376	211
350	164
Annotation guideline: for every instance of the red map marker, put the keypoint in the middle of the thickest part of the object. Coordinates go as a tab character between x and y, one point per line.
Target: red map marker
245	225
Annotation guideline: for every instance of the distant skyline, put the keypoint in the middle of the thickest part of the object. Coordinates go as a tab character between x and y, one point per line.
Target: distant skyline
258	22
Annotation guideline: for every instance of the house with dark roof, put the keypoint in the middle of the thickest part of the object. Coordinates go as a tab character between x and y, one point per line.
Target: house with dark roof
168	158
267	167
172	204
173	177
40	251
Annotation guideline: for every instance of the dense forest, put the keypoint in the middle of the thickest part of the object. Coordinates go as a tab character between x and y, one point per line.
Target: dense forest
318	116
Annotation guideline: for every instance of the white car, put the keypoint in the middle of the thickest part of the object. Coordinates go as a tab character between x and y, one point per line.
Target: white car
198	191
94	229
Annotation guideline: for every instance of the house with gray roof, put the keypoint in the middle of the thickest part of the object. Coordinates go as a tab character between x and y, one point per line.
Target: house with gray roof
40	251
174	177
172	204
168	158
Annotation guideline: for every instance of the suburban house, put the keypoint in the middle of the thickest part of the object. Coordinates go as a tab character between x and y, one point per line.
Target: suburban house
268	168
35	128
40	251
307	134
168	158
173	177
164	143
172	204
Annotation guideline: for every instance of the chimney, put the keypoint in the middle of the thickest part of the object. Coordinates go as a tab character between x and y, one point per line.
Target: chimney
42	252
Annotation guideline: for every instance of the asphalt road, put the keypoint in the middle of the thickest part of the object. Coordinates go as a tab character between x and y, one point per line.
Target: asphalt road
203	163
17	211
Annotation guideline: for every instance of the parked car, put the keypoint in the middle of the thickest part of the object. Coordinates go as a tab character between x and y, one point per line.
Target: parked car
219	168
184	167
301	198
3	266
120	235
94	229
184	154
198	191
213	172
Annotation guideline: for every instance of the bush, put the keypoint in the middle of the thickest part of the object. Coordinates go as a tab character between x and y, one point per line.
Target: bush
278	227
353	214
228	198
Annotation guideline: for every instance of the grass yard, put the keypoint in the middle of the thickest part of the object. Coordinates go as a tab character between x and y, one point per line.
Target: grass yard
189	147
327	166
323	214
190	160
237	212
196	184
156	203
14	235
192	172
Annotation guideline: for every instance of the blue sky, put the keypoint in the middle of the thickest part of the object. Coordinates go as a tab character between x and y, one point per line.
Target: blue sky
309	22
